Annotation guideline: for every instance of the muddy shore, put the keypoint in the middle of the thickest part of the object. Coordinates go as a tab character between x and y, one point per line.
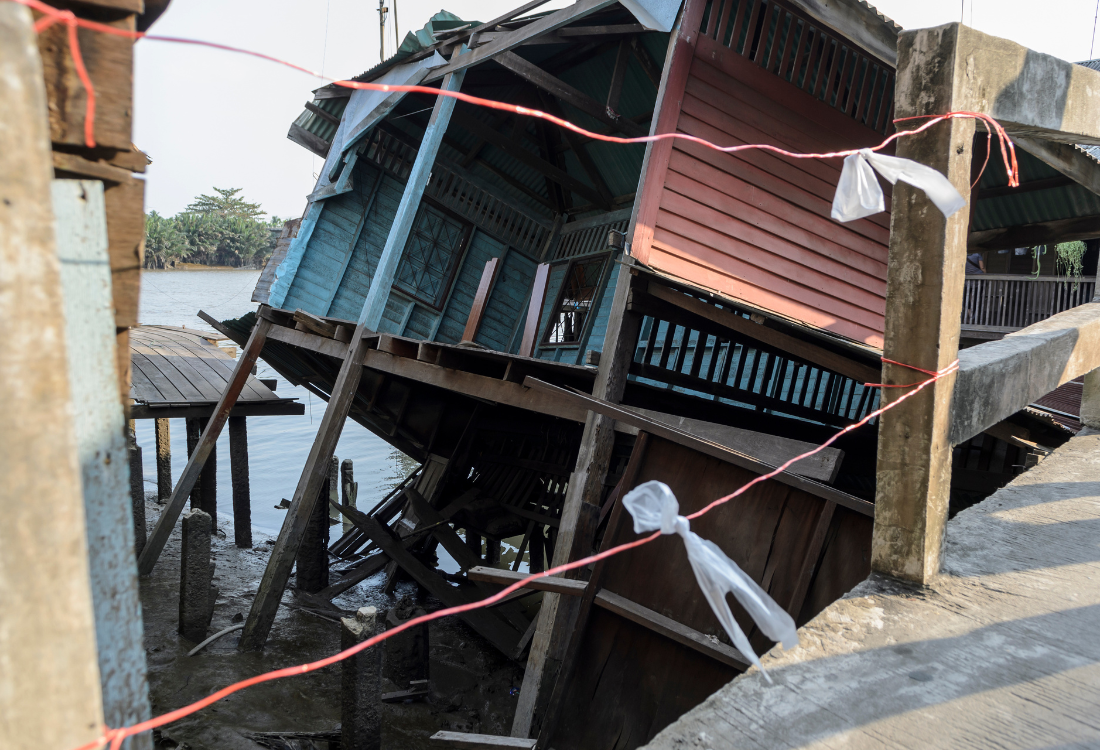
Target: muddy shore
473	687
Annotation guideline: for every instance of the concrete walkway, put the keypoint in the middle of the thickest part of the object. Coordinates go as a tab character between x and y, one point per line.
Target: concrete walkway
1003	651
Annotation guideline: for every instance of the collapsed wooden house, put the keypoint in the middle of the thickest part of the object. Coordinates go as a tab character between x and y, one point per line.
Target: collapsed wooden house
545	322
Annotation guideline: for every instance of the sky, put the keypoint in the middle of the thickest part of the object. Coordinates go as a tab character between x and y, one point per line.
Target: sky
209	118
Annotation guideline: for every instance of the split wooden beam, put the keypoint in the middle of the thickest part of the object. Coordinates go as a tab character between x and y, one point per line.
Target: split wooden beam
171	513
570	95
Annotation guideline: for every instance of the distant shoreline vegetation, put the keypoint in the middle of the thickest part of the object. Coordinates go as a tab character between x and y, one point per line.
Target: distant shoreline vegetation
215	230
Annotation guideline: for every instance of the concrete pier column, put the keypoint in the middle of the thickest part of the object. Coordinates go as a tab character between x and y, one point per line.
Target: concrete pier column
407	653
197	591
209	482
349	487
164	459
137	489
360	688
313	552
238	463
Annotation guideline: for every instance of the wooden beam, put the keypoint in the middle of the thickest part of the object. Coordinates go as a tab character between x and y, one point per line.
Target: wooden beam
651	69
1028	187
669	628
171	513
544	25
322	113
618	75
481	299
519	153
1029	235
998	378
534	310
555	584
384	273
664	430
310	322
796	347
308	140
482	741
1071	161
568	94
855	22
98	170
580	150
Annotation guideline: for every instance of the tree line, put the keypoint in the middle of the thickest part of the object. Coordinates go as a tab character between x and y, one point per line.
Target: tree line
215	230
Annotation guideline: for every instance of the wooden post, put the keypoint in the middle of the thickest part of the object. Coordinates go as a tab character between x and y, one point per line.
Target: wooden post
534	311
238	466
923	312
164	459
313	551
195	461
333	490
274	581
350	489
380	285
50	683
208	480
481	298
360	687
137	489
194	434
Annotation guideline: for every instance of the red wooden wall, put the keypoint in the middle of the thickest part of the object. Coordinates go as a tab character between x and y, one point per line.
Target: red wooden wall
754	225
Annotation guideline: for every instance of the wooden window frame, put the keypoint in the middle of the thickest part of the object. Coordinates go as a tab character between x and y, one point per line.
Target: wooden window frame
545	343
446	286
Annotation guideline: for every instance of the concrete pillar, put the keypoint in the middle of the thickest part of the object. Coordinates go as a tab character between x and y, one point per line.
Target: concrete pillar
164	459
923	313
1090	400
137	489
313	552
209	482
238	464
197	591
407	653
350	488
360	687
194	432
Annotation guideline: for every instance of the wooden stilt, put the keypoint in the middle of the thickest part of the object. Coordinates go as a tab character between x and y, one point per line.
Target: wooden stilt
194	434
238	464
313	553
137	490
195	461
316	470
164	459
208	480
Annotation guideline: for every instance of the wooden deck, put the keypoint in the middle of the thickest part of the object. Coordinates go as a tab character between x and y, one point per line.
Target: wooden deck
180	372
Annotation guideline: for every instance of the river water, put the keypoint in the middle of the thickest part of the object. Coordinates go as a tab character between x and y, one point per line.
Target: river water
277	446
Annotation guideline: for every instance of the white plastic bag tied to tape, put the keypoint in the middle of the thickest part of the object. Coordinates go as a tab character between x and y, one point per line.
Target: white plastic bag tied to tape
653	507
858	193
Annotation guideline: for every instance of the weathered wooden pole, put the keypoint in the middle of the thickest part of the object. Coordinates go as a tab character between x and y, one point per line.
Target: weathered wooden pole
163	430
313	551
349	487
238	466
194	434
137	488
281	562
360	687
923	312
50	681
208	480
333	490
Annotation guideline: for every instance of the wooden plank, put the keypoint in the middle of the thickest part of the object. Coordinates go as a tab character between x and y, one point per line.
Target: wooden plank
315	324
78	165
798	347
507	578
375	304
544	25
567	93
308	140
534	310
482	741
1041	233
159	536
322	113
481	297
736	458
666	626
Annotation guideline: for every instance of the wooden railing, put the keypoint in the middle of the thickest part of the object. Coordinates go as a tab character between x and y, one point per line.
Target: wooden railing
1004	303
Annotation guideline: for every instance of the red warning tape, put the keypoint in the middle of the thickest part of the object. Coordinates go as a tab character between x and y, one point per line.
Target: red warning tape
115	736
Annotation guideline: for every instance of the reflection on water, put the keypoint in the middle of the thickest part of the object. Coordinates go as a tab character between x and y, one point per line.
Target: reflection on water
277	446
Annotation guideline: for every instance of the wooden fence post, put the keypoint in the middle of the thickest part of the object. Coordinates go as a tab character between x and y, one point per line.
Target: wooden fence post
923	312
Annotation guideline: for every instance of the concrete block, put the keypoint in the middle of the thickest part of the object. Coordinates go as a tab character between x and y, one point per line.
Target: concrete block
407	656
197	591
361	715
